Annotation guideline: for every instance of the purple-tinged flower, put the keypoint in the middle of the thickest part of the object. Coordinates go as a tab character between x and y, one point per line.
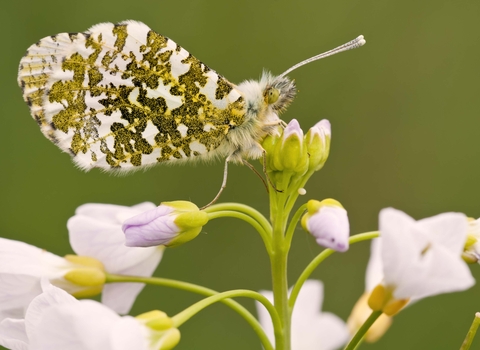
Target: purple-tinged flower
290	153
327	221
170	224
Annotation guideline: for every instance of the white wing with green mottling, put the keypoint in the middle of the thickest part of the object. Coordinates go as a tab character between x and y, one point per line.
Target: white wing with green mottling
121	96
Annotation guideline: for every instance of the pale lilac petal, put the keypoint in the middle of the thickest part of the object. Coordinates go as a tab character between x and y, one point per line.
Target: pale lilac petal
325	127
153	227
309	301
293	128
13	335
330	227
121	296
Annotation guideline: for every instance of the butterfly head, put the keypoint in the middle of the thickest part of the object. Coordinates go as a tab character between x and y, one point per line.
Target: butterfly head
279	92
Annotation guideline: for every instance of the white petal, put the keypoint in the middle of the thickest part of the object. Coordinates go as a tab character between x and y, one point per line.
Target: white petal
105	242
81	326
51	296
448	229
13	335
109	213
127	334
374	273
121	296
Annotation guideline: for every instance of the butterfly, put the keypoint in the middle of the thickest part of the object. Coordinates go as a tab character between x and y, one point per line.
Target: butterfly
122	97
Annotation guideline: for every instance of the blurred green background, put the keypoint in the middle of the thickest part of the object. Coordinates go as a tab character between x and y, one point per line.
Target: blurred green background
405	118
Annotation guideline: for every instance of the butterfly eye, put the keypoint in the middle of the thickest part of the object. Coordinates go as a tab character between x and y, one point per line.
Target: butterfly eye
272	95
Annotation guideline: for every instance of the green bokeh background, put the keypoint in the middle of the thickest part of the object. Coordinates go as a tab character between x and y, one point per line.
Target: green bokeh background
405	118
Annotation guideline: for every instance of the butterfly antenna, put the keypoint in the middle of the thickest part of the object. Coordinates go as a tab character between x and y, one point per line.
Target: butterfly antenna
357	42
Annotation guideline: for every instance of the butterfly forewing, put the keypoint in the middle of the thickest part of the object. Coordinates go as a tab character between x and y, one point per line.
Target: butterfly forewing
123	96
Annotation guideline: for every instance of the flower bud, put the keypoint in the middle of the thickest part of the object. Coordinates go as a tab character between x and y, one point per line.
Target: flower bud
471	250
163	334
290	153
328	222
170	224
317	142
87	275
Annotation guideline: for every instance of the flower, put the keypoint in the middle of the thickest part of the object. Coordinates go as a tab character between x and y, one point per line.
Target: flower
311	329
420	258
96	231
471	253
96	236
56	320
317	141
361	311
290	153
327	221
170	224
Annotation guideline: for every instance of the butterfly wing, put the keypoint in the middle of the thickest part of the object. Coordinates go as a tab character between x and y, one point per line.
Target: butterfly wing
121	96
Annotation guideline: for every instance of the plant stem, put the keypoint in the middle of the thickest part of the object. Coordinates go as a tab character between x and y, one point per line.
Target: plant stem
251	320
471	333
363	330
186	314
266	235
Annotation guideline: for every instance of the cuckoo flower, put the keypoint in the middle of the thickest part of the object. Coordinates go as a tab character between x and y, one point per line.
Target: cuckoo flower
420	258
56	320
97	239
311	328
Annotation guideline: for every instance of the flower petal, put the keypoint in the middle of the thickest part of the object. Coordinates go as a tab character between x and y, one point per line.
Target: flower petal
13	335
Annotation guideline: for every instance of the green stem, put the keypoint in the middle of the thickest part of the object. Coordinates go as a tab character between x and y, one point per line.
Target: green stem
318	260
186	314
471	333
293	223
266	235
278	260
262	220
363	330
251	320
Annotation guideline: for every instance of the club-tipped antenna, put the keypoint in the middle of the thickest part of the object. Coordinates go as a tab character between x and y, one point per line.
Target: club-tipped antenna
357	42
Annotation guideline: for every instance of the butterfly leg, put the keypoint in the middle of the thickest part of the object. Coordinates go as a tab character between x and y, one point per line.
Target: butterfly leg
252	168
264	161
224	184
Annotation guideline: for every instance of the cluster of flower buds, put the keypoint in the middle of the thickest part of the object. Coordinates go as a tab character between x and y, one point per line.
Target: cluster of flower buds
297	154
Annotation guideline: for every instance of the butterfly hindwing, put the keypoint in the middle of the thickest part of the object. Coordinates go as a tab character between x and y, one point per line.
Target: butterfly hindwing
121	96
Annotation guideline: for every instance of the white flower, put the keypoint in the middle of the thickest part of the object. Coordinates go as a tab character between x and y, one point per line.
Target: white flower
361	311
311	329
327	221
420	258
96	236
56	320
96	231
317	141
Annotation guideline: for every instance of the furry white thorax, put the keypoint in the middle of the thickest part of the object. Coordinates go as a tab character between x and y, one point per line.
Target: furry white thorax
261	118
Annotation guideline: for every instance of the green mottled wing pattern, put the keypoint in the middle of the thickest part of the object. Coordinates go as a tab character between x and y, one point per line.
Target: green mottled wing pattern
121	96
